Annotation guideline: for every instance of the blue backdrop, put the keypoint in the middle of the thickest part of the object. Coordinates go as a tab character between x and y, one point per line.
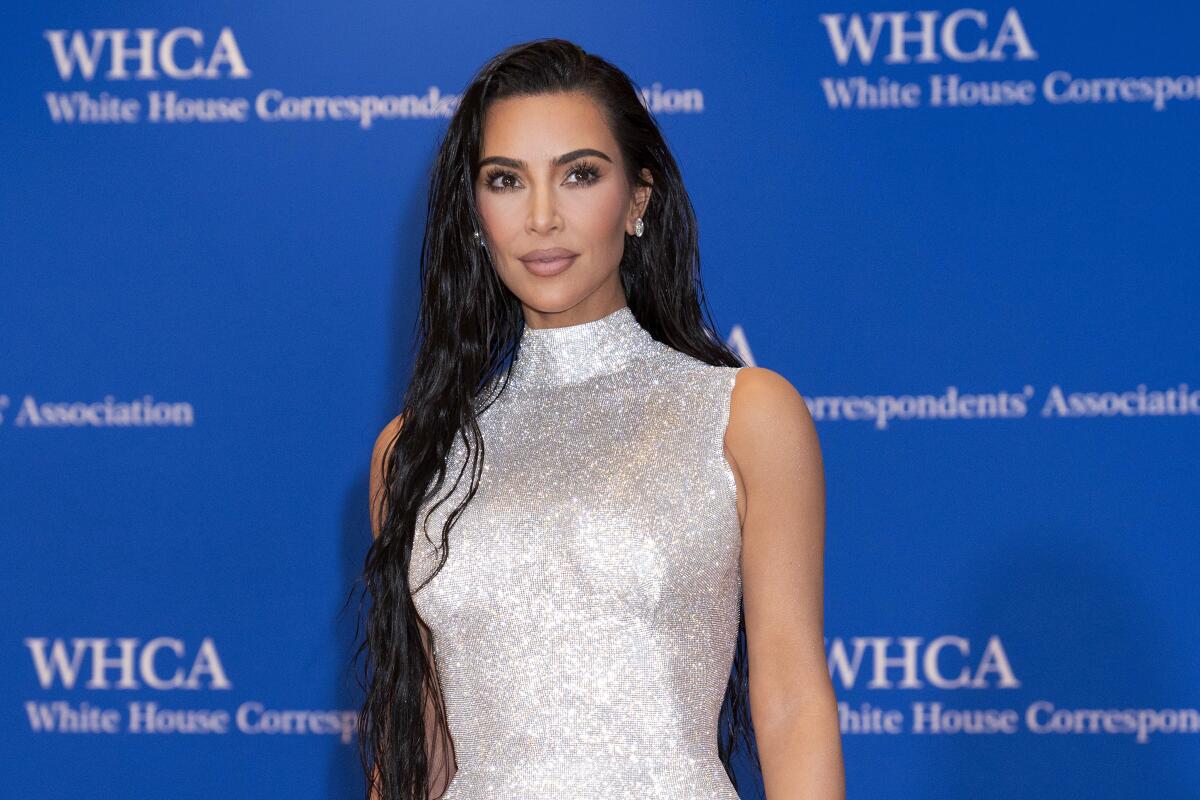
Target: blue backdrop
967	235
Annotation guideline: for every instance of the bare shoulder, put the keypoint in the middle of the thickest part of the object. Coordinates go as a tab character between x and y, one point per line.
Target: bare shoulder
770	427
380	451
764	399
387	436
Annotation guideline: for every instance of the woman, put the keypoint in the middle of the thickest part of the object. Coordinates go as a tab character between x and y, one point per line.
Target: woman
584	484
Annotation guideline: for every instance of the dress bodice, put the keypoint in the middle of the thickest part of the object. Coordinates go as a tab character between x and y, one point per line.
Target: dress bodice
585	620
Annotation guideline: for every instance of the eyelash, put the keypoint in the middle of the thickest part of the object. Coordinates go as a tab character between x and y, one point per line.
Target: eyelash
584	167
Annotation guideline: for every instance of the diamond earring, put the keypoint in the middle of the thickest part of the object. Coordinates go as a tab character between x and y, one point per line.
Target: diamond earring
479	240
638	227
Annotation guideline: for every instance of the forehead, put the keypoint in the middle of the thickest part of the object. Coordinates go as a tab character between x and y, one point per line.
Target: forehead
538	128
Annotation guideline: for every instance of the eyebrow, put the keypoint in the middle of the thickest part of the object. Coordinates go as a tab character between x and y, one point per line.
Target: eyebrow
516	163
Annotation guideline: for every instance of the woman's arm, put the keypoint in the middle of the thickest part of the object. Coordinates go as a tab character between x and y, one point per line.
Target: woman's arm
439	757
439	753
776	457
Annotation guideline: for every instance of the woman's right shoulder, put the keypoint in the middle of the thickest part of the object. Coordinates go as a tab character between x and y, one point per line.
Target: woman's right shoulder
379	454
389	432
384	440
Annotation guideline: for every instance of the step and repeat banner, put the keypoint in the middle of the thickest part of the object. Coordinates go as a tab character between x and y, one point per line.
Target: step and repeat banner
968	235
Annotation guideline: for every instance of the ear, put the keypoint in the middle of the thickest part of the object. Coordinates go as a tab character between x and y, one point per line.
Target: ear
641	199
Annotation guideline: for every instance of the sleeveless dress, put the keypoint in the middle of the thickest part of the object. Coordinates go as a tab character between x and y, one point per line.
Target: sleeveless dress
584	623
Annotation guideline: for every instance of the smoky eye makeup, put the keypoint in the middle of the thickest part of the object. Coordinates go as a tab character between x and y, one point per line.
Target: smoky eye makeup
585	171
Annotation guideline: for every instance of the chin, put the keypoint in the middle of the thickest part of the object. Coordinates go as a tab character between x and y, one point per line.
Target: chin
551	295
551	301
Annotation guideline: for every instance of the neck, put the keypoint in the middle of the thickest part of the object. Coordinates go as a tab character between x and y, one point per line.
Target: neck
549	357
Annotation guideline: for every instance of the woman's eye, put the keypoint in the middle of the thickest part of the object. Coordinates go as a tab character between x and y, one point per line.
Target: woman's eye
500	176
586	174
581	175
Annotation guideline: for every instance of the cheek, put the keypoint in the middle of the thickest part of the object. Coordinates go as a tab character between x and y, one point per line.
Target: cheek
497	216
601	212
594	216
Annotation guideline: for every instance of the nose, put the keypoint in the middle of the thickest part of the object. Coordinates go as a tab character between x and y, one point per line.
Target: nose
543	210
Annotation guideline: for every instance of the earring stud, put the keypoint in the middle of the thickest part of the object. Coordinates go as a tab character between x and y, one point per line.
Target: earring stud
638	227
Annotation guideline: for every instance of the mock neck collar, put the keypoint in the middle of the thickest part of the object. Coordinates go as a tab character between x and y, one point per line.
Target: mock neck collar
550	357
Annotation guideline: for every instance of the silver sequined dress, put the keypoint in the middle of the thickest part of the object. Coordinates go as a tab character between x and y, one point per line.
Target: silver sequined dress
584	624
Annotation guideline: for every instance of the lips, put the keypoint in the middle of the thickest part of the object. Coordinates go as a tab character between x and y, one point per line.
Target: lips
548	254
548	262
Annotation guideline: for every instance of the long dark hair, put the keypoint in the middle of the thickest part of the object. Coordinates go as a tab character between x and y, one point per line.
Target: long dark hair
468	326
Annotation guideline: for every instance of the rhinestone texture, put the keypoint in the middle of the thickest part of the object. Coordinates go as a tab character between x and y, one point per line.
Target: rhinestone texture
584	623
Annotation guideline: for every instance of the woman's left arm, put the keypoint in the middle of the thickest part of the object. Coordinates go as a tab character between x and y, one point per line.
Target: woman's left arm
776	456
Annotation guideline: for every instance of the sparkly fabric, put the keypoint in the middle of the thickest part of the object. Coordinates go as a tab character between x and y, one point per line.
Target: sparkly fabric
585	621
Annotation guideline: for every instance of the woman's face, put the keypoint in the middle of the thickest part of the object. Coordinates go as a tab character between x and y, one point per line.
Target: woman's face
551	178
